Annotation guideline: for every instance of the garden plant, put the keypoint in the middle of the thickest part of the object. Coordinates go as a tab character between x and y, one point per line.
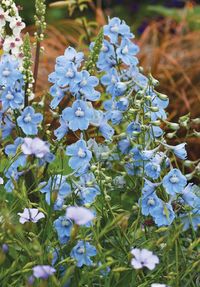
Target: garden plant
91	191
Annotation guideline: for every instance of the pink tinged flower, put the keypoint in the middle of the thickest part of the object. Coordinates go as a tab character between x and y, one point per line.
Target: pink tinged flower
80	215
43	271
30	215
17	25
35	147
143	258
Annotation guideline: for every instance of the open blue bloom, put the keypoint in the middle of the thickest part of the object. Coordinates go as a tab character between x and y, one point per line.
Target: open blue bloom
82	253
174	182
70	55
114	86
12	98
66	74
116	28
78	115
63	226
106	58
100	120
126	52
192	219
163	214
88	188
9	71
79	153
149	201
29	121
152	169
84	85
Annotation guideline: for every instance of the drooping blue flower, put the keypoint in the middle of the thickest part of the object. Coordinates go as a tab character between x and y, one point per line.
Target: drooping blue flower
78	116
192	219
174	182
116	28
29	121
62	130
163	214
100	120
179	150
84	86
82	253
190	197
88	188
58	94
133	129
63	226
127	51
106	58
124	146
57	184
79	153
122	104
6	125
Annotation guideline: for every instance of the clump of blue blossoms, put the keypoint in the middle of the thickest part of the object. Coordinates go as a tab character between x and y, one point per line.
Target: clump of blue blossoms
106	166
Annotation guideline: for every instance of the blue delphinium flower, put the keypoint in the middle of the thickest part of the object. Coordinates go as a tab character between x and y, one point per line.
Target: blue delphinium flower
88	189
163	214
179	150
192	219
63	226
11	149
79	153
82	253
126	52
62	130
85	85
58	94
57	184
114	86
29	121
133	129
174	182
190	197
9	71
115	28
149	201
152	169
78	115
6	125
124	146
70	55
12	98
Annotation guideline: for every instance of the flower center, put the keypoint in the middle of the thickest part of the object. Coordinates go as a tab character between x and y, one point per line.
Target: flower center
6	72
104	48
81	250
65	222
70	73
9	96
151	201
125	50
174	179
84	82
79	113
113	79
2	17
81	153
27	118
114	29
12	45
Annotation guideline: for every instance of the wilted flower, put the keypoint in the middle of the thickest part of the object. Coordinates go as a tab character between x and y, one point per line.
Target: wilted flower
30	215
80	215
143	258
43	271
35	147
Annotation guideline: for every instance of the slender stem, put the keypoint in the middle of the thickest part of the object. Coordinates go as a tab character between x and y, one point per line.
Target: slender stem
36	66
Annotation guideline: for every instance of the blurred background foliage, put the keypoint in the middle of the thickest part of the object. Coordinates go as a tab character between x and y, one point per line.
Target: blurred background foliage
167	31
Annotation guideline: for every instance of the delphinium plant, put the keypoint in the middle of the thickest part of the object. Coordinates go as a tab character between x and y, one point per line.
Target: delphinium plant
113	207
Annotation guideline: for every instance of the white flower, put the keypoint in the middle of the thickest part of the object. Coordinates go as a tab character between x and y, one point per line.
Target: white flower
12	44
16	25
35	147
80	215
143	258
30	215
1	180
